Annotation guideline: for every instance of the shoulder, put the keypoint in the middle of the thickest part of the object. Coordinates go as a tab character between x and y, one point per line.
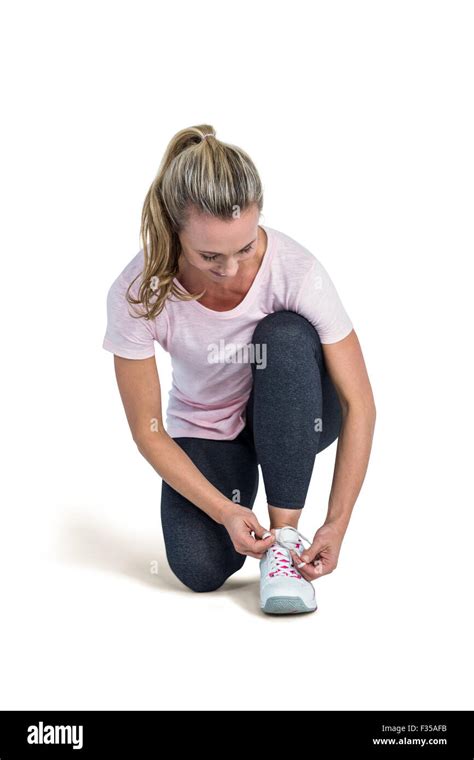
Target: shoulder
289	255
131	273
128	282
291	263
129	334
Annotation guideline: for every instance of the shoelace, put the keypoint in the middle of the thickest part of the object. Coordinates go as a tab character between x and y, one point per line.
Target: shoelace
280	561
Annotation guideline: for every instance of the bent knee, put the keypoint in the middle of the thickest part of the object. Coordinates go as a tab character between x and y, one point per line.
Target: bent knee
201	579
203	585
285	327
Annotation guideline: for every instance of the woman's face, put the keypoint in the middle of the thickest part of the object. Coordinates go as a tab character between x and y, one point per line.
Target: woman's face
217	248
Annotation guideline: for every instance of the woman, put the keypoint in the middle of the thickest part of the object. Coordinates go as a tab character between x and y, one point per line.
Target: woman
267	369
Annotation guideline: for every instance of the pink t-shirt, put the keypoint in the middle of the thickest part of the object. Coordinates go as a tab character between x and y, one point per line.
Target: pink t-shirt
210	350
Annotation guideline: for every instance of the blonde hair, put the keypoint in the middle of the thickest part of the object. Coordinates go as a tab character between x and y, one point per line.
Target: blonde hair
197	171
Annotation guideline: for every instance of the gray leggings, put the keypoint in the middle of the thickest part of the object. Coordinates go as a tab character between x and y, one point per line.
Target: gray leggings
293	412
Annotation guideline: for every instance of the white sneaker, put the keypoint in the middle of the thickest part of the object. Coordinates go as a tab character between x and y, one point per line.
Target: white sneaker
282	588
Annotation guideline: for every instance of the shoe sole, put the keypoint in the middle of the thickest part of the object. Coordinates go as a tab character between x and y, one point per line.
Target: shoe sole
283	605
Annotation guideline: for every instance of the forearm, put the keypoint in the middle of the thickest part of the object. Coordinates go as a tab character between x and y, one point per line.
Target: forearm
179	471
352	459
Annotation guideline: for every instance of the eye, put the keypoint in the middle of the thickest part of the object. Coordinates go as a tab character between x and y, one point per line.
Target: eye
213	258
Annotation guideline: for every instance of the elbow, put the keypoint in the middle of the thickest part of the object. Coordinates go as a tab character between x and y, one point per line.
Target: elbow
373	415
372	408
363	407
370	411
146	440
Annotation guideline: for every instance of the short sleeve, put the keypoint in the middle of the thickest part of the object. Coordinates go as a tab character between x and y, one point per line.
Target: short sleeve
126	335
320	304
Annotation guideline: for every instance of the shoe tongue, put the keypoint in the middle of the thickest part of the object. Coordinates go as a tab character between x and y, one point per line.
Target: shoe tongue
290	537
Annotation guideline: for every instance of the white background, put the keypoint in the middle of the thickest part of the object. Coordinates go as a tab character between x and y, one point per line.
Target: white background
359	117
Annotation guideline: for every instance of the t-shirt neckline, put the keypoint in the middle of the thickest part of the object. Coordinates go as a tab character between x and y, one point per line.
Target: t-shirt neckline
250	295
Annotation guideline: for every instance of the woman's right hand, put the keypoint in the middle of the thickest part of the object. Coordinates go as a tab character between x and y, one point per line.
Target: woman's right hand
240	522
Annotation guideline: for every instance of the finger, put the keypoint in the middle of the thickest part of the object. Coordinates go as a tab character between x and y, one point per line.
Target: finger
313	570
260	547
298	561
258	529
320	569
307	569
266	534
308	572
266	540
260	532
310	554
255	556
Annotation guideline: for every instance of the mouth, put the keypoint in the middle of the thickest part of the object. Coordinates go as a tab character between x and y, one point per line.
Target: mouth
218	274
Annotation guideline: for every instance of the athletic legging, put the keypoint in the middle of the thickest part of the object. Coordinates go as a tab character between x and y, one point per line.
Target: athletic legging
293	412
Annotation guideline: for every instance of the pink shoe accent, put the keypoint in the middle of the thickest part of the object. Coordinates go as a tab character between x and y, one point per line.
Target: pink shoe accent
284	566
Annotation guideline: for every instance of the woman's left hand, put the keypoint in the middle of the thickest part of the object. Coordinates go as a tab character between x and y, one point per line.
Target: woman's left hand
322	556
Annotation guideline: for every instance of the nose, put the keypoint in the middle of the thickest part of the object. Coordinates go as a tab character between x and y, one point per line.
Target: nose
229	271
